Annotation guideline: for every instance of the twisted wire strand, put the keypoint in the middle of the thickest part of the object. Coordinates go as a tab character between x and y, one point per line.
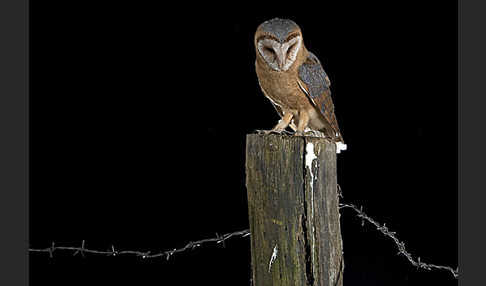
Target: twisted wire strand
220	239
400	245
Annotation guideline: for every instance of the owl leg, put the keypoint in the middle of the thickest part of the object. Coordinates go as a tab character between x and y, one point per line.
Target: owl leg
283	123
302	124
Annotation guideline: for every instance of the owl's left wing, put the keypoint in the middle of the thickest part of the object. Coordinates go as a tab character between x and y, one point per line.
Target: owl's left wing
315	83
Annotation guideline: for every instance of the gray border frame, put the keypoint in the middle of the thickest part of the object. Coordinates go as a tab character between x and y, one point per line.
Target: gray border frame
14	122
471	140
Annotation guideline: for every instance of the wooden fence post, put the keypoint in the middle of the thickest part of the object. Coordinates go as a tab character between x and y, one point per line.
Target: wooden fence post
293	211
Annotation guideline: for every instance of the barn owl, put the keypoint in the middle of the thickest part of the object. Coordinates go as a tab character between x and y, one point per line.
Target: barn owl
293	79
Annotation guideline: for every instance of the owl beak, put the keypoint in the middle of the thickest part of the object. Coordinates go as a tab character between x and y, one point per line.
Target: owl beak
281	58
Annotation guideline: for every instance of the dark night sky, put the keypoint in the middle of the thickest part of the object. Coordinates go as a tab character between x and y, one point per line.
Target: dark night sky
138	120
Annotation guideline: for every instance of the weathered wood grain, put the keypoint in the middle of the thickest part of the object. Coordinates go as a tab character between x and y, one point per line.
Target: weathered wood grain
293	211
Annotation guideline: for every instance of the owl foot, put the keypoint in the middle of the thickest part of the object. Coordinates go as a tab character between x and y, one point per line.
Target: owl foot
279	131
315	133
310	133
299	133
274	131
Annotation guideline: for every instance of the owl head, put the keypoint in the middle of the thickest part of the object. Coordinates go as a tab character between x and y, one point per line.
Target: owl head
278	42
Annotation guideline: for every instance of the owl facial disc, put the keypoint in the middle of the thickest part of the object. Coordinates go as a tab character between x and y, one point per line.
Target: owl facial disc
279	56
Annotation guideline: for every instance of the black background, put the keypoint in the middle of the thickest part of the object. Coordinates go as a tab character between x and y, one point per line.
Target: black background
138	120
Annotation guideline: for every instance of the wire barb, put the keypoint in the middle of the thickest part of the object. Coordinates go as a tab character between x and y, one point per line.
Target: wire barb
51	250
80	250
113	251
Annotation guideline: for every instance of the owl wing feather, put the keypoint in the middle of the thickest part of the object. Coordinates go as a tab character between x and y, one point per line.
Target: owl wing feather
315	83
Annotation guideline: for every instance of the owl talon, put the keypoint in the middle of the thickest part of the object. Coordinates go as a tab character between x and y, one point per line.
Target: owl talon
265	132
311	133
315	133
281	131
299	133
274	131
277	131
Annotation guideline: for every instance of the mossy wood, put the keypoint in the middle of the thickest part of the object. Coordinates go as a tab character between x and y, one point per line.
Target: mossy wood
293	211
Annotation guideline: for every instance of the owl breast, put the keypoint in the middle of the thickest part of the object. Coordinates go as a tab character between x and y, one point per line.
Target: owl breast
282	89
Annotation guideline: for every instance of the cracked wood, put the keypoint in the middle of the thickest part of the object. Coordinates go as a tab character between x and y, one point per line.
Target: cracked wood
293	205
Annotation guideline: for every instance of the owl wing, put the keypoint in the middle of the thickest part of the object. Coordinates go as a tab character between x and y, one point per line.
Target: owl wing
315	83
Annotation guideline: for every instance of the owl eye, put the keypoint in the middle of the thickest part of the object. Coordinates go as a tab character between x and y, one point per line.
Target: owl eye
269	53
268	50
292	48
265	48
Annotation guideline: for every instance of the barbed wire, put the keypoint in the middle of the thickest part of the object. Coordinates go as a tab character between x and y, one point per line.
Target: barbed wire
400	245
220	239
